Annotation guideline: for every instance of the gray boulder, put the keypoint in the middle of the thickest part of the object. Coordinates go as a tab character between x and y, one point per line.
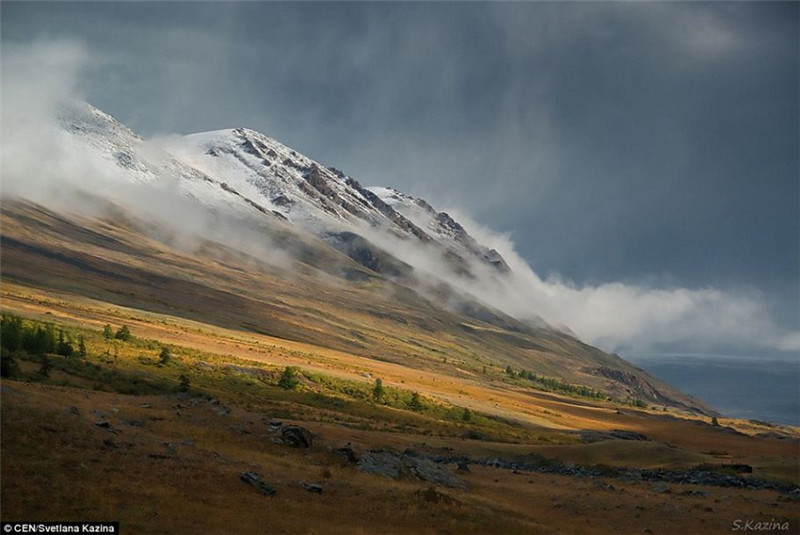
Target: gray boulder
296	436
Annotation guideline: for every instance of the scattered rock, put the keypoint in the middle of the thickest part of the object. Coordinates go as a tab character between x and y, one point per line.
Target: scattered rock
103	424
793	496
135	423
296	436
661	488
74	410
347	453
462	466
698	493
254	480
603	485
316	488
274	427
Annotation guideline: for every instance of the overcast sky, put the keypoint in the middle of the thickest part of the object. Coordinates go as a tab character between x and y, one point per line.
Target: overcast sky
650	143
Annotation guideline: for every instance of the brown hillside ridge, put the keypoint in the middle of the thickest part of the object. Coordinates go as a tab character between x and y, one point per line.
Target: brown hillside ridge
247	401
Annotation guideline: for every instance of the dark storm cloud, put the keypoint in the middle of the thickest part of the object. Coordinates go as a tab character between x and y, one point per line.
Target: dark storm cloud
647	142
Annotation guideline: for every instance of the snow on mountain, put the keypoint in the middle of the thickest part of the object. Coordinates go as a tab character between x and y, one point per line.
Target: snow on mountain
323	199
439	224
129	158
246	176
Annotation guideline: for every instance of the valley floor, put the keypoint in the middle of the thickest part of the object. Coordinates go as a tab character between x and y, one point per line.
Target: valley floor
169	464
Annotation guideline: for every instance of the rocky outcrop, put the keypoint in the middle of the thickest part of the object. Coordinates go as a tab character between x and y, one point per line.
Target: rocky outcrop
296	436
315	178
640	388
395	466
254	480
707	475
368	255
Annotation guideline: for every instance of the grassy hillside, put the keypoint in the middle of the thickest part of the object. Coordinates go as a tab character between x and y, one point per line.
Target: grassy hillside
311	299
119	434
156	429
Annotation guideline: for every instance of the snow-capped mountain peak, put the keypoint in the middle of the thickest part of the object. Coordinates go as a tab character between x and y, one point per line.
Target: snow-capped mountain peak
247	174
319	198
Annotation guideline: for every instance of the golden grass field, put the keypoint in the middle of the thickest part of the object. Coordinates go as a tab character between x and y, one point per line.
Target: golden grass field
178	472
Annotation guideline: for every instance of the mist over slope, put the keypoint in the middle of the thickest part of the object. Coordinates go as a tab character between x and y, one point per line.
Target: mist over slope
55	146
440	247
278	251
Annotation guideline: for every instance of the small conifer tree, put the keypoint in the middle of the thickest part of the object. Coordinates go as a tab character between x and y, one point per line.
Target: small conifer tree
165	356
377	391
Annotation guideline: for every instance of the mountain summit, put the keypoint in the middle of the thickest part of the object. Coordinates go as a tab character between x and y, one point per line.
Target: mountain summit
323	199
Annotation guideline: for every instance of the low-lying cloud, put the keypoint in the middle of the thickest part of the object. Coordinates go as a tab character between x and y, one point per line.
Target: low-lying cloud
631	318
42	162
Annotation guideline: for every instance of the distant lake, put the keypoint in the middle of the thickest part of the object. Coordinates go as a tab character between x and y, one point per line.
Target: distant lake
746	388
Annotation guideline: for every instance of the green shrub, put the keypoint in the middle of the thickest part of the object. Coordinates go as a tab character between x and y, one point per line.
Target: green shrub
289	380
124	334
